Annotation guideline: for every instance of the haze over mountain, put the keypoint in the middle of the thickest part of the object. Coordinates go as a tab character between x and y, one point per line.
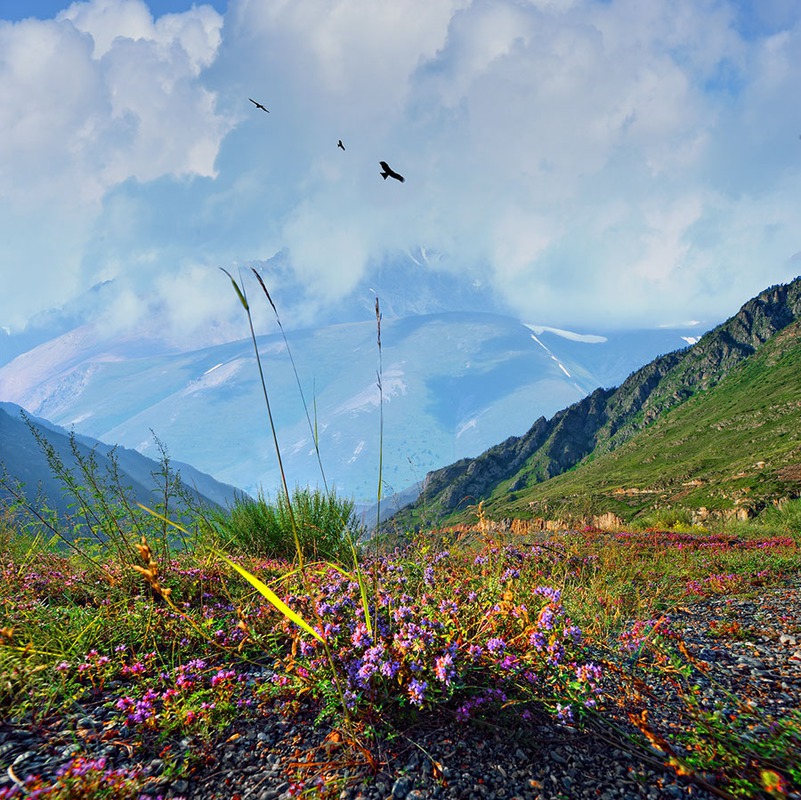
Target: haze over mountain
24	464
716	427
454	382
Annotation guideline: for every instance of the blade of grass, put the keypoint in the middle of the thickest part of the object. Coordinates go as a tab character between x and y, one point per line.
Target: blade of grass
243	299
312	429
265	591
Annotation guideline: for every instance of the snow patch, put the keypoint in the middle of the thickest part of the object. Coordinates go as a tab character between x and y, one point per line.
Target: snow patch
356	452
221	374
589	338
562	367
370	398
466	426
691	339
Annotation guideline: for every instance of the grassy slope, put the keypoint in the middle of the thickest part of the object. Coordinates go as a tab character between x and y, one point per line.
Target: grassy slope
716	437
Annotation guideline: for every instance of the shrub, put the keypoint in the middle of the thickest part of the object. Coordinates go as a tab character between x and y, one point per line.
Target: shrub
324	522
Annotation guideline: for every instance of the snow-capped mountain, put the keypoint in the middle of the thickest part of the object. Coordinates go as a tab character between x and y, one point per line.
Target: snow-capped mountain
453	385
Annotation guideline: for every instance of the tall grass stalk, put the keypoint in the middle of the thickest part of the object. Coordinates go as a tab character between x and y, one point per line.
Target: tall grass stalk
380	419
316	439
252	578
243	300
312	428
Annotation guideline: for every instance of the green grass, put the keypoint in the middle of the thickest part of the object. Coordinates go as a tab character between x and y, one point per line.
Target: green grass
735	447
325	525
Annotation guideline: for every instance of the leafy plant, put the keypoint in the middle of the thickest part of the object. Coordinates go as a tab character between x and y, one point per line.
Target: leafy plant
324	522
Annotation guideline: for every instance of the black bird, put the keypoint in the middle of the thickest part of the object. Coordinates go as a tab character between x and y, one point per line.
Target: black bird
388	172
258	105
340	145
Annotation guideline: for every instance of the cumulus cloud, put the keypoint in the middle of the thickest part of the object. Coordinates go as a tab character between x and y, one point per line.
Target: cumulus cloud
613	162
96	97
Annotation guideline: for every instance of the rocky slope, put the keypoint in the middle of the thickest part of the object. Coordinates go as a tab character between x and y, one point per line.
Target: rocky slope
607	418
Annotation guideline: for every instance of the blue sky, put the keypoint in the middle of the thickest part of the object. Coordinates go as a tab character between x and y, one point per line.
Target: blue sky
594	163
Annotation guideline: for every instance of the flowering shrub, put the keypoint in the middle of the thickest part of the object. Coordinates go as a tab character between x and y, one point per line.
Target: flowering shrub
438	633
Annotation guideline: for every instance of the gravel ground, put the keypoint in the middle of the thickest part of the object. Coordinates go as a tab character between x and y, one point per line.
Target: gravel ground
755	654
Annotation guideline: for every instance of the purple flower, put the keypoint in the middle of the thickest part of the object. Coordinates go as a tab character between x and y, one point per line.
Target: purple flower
360	637
475	651
389	669
417	691
448	607
496	645
554	595
546	617
510	574
443	668
508	662
222	675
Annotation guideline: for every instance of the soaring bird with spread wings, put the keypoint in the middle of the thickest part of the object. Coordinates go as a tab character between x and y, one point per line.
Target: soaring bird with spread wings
388	172
258	105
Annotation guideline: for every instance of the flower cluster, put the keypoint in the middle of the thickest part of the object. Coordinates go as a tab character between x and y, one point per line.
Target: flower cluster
80	777
430	637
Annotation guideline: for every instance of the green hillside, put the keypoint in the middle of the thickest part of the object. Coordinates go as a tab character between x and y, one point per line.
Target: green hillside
727	451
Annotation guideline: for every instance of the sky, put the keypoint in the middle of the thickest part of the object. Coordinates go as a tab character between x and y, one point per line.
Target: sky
593	163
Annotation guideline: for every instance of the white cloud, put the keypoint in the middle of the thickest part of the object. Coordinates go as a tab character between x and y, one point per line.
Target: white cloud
99	96
615	161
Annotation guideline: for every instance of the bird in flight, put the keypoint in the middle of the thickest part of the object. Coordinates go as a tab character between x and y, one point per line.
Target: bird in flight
340	145
388	172
258	105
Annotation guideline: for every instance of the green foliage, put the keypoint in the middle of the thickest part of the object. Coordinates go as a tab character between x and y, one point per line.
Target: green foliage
257	527
104	515
734	448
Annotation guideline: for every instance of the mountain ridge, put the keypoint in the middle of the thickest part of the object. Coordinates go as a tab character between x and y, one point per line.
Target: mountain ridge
23	461
607	418
454	383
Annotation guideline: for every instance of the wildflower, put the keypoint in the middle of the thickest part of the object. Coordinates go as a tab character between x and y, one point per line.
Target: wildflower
591	673
221	676
417	691
448	607
554	595
475	651
496	645
360	637
444	669
508	662
389	669
564	713
545	619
